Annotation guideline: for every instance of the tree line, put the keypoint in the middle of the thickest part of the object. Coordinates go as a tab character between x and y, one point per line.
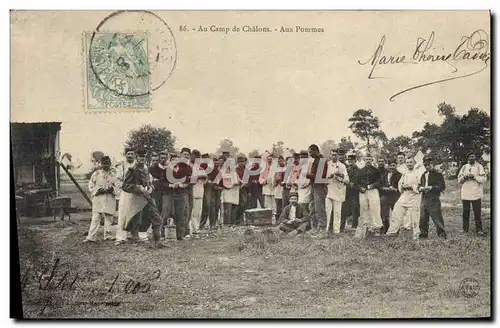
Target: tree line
447	141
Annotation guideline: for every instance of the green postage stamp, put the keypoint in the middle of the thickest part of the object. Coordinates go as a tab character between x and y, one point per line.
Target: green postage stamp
117	74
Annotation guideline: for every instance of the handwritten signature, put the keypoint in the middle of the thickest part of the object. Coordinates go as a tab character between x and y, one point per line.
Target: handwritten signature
54	279
474	47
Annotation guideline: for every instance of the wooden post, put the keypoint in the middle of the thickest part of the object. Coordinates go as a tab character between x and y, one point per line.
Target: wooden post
75	182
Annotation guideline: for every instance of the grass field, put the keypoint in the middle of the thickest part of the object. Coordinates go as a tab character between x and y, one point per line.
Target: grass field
247	273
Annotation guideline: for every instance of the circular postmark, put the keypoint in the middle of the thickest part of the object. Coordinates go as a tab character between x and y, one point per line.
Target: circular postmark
132	53
469	287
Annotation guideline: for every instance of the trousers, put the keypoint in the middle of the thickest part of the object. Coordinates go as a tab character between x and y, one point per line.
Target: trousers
95	223
165	204
188	212
286	196
256	196
431	208
398	219
230	211
369	208
148	216
211	206
476	207
333	214
194	223
350	208
279	207
180	207
319	191
242	205
386	205
269	202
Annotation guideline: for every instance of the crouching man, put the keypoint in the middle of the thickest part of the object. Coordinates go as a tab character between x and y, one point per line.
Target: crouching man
293	220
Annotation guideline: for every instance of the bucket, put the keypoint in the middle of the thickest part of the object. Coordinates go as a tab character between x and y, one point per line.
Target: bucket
170	229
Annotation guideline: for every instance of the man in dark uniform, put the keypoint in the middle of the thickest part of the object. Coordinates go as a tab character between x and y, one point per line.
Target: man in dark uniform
180	171
389	192
242	206
138	183
431	186
254	187
351	205
317	174
162	194
207	192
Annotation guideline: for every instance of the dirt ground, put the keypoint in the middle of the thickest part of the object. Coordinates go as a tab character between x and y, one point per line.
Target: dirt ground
251	273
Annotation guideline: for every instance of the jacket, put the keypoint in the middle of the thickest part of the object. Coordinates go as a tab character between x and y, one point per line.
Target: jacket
436	181
394	182
299	213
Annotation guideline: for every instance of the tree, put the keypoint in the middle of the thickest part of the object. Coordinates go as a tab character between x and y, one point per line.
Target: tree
254	153
326	147
347	145
153	139
278	149
227	145
366	126
456	135
474	133
394	145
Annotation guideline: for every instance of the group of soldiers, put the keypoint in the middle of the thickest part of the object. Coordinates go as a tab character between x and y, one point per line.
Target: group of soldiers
306	192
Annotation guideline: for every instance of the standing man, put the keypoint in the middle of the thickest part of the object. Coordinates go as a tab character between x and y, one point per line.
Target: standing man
472	176
294	174
198	180
389	193
316	173
137	209
193	155
286	177
217	209
255	188
267	182
162	194
337	180
102	189
304	188
243	201
182	171
230	195
368	182
207	192
431	186
122	168
279	182
351	204
408	203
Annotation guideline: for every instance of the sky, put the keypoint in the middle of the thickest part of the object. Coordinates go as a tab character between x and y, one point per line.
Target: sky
253	88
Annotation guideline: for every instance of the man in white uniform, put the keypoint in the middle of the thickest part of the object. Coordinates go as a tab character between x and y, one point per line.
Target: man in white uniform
337	180
472	176
408	203
102	188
